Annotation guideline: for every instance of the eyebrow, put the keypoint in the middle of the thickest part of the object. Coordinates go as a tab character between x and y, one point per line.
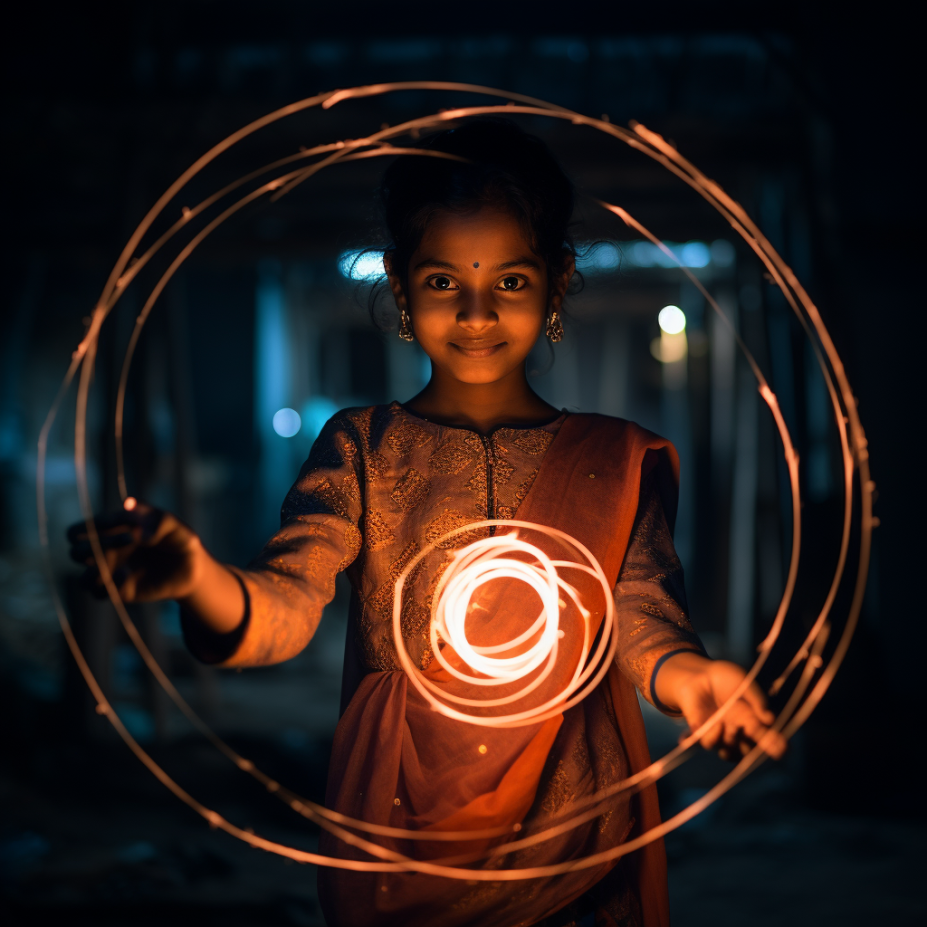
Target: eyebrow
524	261
436	264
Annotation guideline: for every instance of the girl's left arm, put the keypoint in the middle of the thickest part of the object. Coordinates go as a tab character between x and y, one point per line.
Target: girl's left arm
660	651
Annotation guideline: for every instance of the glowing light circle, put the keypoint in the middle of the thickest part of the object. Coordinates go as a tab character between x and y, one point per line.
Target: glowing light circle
481	562
816	673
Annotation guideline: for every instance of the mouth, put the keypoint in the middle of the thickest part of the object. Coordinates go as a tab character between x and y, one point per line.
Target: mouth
477	348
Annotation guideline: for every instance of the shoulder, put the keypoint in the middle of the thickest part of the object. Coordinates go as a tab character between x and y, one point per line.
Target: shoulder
595	427
358	430
357	420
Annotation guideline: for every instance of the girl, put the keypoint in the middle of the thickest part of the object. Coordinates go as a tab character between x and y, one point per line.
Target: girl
480	262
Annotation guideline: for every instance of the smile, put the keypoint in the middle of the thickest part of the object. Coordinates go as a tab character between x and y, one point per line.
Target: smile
478	350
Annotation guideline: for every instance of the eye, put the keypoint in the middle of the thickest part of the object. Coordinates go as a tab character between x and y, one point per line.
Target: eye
442	283
512	283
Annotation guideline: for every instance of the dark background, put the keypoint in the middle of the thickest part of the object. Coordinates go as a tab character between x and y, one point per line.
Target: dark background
808	115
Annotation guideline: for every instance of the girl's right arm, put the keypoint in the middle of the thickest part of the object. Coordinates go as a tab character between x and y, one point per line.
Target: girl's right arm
152	556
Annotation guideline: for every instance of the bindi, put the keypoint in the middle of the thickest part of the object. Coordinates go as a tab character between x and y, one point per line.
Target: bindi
476	263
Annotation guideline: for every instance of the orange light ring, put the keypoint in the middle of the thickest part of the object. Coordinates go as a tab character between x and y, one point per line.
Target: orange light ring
853	447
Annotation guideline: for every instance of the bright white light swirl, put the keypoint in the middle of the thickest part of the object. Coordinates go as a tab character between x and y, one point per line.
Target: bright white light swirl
470	569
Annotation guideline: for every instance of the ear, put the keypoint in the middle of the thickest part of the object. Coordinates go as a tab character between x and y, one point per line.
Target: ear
395	284
561	282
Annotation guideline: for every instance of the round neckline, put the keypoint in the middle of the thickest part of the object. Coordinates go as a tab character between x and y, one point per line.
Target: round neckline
513	427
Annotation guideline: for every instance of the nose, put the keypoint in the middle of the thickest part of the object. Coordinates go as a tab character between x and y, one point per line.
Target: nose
476	314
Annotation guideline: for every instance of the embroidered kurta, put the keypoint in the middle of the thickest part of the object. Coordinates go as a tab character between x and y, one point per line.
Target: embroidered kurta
379	484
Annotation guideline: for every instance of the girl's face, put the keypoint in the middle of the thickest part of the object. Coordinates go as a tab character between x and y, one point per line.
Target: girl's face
477	295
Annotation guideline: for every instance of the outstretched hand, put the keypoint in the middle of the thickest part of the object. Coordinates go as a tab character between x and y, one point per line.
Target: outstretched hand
698	687
150	553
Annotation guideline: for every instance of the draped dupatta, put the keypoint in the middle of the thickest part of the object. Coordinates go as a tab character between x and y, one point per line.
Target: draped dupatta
398	762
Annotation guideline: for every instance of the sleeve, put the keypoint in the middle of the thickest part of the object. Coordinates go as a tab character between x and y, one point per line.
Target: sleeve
650	599
293	578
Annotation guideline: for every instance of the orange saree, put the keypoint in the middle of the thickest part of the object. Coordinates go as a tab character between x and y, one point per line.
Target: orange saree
398	762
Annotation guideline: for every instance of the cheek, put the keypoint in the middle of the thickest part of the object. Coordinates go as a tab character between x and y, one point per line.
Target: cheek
430	319
528	317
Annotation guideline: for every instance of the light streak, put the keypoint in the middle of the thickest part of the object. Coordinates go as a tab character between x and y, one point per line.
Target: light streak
809	656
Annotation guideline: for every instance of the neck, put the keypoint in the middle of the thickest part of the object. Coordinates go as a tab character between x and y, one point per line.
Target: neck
481	406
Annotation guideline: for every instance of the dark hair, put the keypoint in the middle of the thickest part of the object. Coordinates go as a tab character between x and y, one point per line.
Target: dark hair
496	164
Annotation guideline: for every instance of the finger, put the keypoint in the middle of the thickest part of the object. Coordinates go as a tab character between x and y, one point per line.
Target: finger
754	732
82	551
92	579
733	735
712	737
112	522
756	728
112	558
773	744
755	698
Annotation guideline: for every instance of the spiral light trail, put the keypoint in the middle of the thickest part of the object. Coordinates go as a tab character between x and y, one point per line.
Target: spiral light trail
482	562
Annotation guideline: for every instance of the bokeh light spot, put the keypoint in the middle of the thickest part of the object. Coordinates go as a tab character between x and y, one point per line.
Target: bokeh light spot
361	265
286	422
672	320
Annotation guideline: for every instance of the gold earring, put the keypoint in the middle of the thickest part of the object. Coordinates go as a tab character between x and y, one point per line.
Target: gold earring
405	327
555	327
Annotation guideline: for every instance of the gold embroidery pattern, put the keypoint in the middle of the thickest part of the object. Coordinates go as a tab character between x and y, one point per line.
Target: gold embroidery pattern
377	465
478	896
406	437
477	482
376	655
448	520
382	600
609	758
360	419
410	490
640	669
535	441
348	449
559	791
654	610
580	754
330	497
414	620
350	487
524	488
450	458
474	443
377	531
352	541
502	471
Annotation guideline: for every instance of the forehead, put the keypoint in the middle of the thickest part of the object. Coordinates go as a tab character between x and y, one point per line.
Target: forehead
492	232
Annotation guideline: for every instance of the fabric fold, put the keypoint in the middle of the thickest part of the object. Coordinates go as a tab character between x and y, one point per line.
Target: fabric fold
397	761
